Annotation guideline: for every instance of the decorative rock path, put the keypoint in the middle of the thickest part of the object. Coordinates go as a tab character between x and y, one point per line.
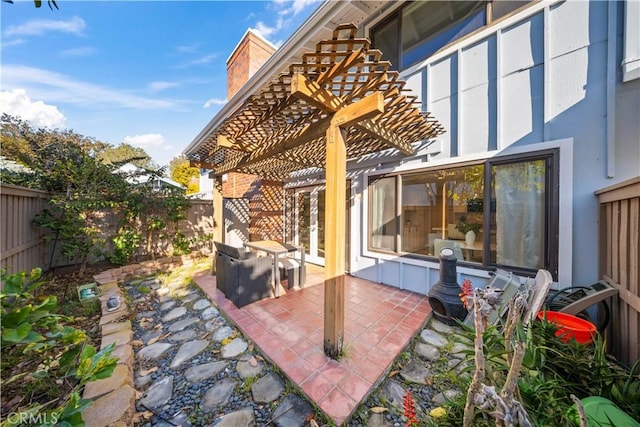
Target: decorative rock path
193	368
425	369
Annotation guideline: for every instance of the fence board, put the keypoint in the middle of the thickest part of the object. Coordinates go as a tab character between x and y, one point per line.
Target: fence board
22	242
620	264
23	247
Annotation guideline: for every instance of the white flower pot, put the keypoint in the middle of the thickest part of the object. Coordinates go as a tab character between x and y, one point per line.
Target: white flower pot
470	238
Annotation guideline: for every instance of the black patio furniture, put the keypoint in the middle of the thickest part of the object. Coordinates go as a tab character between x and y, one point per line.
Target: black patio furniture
242	276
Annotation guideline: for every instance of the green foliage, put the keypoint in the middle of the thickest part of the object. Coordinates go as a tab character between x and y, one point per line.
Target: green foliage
464	226
31	329
180	243
38	3
552	370
87	197
181	171
75	227
25	320
125	153
126	244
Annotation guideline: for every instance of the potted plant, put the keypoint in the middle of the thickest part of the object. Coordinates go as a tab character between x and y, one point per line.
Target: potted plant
469	229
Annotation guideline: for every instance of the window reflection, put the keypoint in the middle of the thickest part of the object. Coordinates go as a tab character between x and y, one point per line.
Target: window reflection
439	208
383	213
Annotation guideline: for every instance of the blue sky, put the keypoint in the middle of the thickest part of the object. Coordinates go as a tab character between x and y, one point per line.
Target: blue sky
149	73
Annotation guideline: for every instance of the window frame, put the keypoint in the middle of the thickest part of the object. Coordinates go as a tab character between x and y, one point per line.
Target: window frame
551	156
396	14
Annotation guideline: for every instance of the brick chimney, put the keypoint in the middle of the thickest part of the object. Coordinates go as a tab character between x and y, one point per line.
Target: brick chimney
265	197
251	52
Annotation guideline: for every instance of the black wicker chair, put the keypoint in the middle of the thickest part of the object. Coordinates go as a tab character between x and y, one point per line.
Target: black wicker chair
242	276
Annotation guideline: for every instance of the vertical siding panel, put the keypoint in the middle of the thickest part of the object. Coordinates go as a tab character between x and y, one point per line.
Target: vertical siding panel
442	100
624	243
620	208
609	239
632	278
477	97
627	312
522	82
615	240
10	231
499	111
3	232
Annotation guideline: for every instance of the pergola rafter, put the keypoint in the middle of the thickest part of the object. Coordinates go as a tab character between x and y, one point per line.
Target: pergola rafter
276	121
341	101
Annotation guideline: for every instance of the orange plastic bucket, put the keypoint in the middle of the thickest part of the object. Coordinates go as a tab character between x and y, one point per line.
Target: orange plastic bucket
569	326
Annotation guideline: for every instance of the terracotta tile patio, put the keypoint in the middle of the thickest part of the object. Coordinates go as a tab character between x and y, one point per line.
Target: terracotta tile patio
379	322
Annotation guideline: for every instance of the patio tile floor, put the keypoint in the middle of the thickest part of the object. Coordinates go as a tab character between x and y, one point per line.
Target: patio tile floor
379	322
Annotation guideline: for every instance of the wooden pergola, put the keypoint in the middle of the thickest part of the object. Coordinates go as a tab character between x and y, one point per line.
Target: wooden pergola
340	102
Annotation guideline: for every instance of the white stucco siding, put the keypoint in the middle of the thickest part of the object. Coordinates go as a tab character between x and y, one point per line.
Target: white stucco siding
576	24
442	101
414	84
521	101
477	97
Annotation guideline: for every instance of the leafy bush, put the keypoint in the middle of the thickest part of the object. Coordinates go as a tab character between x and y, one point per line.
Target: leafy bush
39	350
126	244
552	370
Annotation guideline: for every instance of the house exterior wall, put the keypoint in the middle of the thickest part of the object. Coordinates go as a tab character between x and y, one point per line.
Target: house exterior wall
549	76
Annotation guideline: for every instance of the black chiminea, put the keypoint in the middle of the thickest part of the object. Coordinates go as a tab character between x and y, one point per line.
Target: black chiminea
444	297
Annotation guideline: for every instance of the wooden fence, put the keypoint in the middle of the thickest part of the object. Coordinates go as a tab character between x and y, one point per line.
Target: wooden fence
620	265
24	247
22	244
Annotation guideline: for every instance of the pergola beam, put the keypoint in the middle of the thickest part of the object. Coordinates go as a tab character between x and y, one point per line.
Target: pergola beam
374	129
274	146
313	93
363	109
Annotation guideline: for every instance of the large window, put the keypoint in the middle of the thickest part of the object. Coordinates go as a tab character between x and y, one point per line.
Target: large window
419	29
383	220
495	213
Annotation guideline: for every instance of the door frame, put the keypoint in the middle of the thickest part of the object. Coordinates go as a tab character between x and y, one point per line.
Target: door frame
293	213
312	255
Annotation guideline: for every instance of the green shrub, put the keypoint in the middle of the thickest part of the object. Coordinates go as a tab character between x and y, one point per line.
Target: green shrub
32	334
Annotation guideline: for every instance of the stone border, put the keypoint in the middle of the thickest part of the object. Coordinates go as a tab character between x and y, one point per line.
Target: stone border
114	398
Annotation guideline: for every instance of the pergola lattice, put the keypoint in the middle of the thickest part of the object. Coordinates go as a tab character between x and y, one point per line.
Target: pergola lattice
283	128
342	101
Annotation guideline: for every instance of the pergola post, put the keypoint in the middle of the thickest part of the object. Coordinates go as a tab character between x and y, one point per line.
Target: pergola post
335	241
341	85
218	216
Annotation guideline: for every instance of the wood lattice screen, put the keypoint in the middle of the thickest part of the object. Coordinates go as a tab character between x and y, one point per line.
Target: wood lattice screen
278	131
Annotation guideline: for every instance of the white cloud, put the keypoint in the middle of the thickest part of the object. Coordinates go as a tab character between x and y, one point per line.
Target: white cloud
146	141
265	30
293	7
188	48
38	27
78	52
14	42
17	103
60	88
161	85
214	101
286	10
